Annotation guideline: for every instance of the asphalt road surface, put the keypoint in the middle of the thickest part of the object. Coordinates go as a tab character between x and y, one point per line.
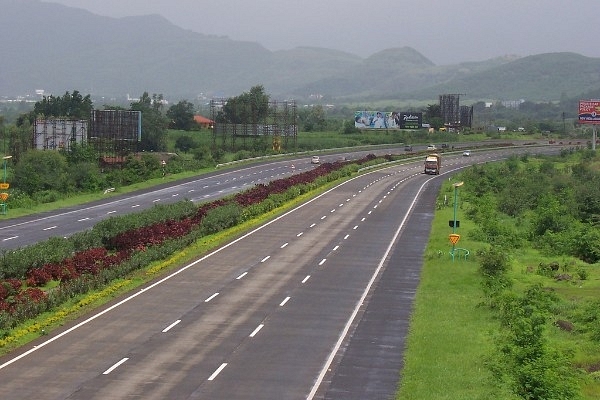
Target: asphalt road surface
314	304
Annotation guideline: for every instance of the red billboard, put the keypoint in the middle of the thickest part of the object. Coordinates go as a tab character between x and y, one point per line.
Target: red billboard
589	111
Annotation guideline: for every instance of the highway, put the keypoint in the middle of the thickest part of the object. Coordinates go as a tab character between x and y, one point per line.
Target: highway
23	231
314	304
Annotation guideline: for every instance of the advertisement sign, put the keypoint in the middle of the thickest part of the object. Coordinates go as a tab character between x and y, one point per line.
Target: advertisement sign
387	120
411	120
589	111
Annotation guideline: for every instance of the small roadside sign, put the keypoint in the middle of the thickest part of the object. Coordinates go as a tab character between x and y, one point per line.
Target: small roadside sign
454	238
4	186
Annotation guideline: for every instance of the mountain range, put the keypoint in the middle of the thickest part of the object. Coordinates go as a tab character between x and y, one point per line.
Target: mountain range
57	49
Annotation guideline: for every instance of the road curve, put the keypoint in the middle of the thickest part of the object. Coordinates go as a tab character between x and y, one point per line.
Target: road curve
314	304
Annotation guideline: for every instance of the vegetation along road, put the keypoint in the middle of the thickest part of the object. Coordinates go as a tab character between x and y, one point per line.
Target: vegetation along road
286	311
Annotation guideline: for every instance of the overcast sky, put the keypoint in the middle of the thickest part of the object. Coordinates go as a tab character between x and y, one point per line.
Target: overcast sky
446	32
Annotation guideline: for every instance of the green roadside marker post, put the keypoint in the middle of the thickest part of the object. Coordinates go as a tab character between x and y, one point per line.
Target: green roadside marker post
454	237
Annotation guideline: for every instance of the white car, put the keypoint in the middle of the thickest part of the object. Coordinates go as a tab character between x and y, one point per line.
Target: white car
315	160
431	147
467	153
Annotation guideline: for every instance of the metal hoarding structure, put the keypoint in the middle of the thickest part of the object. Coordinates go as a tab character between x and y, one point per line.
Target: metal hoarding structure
58	133
115	133
276	129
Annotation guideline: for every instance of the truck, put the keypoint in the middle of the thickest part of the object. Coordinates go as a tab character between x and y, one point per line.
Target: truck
433	162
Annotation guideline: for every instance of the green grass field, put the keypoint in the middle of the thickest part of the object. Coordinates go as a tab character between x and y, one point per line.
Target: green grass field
451	336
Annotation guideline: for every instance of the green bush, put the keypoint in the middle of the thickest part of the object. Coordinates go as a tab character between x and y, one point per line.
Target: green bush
220	218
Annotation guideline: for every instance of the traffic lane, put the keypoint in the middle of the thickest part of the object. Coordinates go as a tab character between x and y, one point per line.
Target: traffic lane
367	185
184	377
284	362
370	365
20	232
104	341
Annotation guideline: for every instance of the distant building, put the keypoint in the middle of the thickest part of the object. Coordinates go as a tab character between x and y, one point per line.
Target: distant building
515	104
203	122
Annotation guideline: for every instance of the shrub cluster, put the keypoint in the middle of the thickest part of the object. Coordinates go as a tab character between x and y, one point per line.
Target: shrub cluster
40	277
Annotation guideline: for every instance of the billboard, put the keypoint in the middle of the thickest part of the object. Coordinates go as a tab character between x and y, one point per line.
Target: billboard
387	120
56	134
116	125
589	111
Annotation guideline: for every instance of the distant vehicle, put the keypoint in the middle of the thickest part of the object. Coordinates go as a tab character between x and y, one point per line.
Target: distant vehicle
315	160
433	163
408	147
444	145
431	147
467	153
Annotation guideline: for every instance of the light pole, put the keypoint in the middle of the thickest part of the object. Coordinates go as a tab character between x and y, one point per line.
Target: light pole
4	186
455	186
454	237
5	158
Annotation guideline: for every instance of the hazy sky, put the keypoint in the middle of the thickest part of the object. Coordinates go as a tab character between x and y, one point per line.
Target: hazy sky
446	31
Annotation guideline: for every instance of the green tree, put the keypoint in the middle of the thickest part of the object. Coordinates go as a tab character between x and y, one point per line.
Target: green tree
185	143
493	267
79	153
314	119
41	170
19	139
181	115
534	369
551	215
86	176
204	156
154	123
73	106
248	108
433	115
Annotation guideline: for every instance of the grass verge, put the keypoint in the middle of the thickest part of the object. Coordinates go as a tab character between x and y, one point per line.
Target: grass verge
451	335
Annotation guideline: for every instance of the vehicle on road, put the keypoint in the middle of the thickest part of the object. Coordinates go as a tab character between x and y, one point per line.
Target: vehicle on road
315	160
408	147
431	147
467	153
433	163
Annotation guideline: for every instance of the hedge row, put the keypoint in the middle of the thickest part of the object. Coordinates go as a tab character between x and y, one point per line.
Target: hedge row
43	276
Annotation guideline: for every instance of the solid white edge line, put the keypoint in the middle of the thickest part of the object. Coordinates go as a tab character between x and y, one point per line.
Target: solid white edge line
362	298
